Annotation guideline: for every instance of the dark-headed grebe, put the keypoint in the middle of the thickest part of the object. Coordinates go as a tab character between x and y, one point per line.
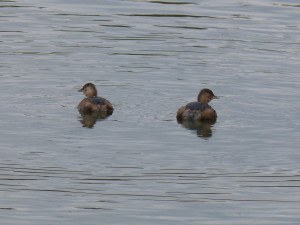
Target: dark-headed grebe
200	110
92	103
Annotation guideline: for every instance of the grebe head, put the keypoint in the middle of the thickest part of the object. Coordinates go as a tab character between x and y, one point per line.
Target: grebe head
206	95
89	90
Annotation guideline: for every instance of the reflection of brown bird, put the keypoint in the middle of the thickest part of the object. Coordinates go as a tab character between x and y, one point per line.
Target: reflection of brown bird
92	103
89	120
200	110
203	128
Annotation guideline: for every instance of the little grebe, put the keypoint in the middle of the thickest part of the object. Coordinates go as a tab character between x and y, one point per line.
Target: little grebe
200	110
92	103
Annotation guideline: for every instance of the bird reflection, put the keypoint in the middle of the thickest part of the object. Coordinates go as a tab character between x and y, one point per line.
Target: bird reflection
202	128
90	119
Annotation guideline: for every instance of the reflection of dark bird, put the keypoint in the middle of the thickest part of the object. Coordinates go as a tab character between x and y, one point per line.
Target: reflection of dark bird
200	110
203	128
89	120
92	103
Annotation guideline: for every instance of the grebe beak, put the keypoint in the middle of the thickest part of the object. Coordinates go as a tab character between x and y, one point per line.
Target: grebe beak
215	97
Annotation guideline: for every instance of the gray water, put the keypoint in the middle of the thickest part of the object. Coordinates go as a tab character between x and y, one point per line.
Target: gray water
139	166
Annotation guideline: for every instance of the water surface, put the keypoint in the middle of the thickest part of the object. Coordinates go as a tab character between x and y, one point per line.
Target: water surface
148	58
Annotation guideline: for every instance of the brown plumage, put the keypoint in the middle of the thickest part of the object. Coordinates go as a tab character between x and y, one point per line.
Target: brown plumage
200	110
92	103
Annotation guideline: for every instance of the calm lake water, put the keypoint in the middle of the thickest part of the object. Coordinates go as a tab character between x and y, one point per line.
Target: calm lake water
139	166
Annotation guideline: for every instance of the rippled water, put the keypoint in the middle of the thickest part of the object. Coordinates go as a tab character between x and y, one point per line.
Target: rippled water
149	58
